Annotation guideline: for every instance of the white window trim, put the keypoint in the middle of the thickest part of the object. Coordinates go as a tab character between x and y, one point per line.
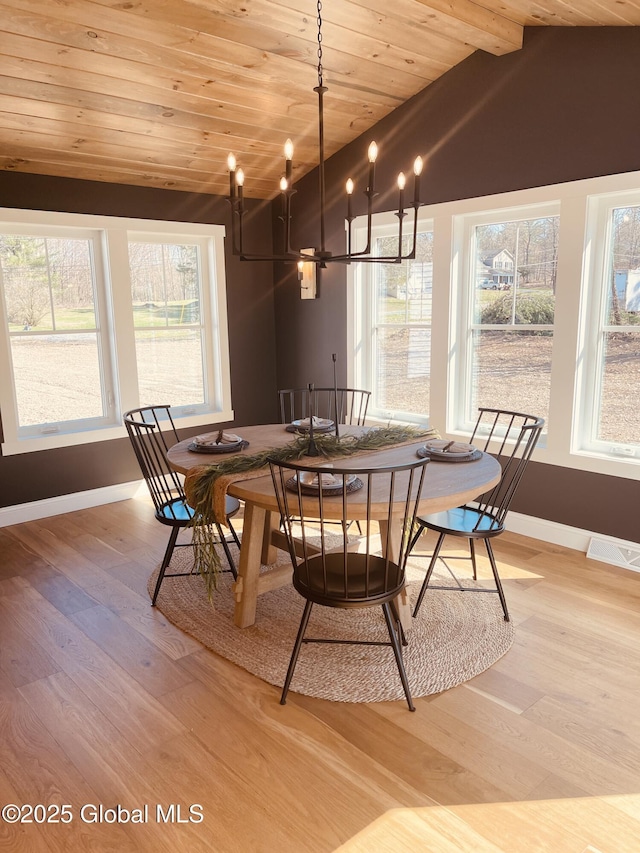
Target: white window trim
116	312
576	268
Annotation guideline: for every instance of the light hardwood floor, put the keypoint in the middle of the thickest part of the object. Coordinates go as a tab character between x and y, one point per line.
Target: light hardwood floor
102	701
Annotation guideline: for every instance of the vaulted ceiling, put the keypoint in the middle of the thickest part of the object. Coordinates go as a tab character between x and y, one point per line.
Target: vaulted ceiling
156	92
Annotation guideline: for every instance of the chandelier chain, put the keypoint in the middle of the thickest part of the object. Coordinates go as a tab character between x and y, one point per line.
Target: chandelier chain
319	42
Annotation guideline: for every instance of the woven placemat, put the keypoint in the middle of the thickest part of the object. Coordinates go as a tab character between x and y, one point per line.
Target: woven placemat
455	636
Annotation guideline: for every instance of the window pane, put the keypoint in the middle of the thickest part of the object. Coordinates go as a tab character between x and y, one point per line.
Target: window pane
165	284
48	283
515	271
512	371
170	367
166	288
49	287
623	290
57	378
403	366
619	419
402	328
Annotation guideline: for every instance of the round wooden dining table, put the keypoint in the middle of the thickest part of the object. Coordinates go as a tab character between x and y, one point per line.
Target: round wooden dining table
447	485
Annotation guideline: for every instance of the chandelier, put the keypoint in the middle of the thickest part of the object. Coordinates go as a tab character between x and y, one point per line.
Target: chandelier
321	256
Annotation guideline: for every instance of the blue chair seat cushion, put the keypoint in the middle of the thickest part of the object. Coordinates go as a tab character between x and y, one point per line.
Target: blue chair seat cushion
178	512
463	521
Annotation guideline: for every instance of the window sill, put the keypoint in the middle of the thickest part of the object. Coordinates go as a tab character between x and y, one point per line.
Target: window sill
13	447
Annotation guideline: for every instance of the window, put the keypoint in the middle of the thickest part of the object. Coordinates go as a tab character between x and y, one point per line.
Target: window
506	333
98	316
53	318
398	346
533	305
610	413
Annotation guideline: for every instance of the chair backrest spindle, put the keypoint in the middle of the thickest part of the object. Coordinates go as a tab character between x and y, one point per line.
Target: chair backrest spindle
517	435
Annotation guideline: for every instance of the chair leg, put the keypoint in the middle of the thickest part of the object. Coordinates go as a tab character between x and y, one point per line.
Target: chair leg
472	551
233	532
296	650
494	568
416	536
225	546
397	650
396	618
425	583
165	562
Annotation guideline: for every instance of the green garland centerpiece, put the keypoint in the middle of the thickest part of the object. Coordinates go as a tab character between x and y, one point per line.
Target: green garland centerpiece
200	487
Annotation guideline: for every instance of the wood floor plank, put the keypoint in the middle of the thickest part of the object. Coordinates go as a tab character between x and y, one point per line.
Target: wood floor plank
19	838
128	706
224	682
563	826
418	763
155	671
21	659
479	752
17	558
40	772
77	567
66	596
134	609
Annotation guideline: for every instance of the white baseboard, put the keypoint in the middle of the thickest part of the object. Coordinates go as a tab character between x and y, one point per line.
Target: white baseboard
68	503
572	537
549	531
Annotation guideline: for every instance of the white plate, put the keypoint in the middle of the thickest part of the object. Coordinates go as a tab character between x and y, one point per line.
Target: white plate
320	424
310	481
436	449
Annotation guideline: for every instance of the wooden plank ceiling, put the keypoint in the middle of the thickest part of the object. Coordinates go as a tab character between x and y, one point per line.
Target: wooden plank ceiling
156	92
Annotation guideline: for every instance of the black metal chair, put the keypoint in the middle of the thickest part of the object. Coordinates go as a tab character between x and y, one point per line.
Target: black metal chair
336	570
151	443
516	435
351	404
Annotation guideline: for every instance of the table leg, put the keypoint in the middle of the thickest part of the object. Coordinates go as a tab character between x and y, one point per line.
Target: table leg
269	550
402	602
246	587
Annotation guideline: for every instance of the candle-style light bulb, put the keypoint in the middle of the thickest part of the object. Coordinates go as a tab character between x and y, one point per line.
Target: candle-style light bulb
284	184
231	165
417	171
300	270
349	194
401	184
288	156
372	154
240	184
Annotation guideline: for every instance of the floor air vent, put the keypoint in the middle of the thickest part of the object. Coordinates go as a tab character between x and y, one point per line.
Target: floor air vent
626	556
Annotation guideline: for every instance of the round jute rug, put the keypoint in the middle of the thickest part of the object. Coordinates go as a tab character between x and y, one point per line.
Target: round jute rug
455	637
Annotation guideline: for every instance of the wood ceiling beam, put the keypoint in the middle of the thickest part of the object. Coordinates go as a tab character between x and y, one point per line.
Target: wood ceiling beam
478	26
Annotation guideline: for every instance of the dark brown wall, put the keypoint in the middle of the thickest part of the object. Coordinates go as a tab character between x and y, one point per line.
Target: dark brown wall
561	109
250	306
